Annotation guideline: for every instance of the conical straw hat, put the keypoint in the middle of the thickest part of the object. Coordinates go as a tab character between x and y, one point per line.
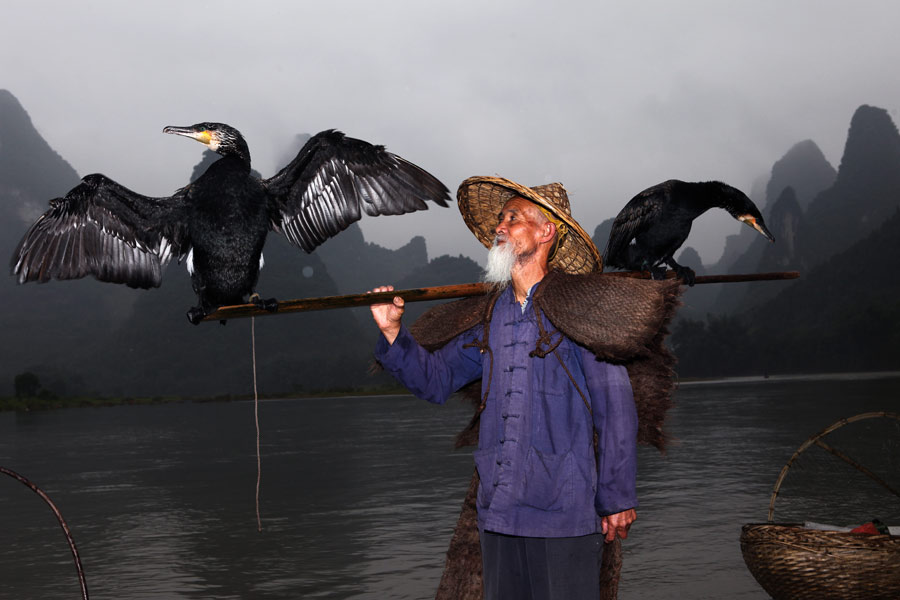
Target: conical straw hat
481	199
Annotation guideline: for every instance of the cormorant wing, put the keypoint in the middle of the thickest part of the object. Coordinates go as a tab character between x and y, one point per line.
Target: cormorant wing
635	217
103	229
320	193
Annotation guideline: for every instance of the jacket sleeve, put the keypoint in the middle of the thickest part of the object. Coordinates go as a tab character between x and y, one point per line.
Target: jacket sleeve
431	376
615	419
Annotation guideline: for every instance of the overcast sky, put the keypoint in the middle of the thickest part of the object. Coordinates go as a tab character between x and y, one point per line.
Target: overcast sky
606	98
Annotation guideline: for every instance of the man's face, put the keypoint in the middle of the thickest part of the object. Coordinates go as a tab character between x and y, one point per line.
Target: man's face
518	224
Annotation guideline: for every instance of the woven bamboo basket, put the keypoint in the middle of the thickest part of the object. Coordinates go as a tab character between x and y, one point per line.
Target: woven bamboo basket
792	562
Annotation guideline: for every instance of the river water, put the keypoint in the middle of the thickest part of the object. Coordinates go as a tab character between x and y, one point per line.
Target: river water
359	495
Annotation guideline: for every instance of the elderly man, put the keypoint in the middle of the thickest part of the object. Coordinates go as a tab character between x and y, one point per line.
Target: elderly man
557	449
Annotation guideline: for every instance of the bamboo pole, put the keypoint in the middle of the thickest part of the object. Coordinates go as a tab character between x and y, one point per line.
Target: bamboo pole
62	523
444	292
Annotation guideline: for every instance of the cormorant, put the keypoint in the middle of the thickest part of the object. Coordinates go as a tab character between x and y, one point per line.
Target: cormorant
219	223
656	222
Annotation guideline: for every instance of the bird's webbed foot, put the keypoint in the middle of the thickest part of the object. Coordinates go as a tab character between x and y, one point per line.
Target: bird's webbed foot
686	274
657	273
195	314
268	304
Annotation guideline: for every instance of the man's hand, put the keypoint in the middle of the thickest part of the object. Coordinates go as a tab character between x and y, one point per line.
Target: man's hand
387	315
617	525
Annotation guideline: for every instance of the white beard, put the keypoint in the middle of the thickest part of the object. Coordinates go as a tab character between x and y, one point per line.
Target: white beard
500	263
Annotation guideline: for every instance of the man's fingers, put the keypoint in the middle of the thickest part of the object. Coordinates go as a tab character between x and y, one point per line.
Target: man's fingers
617	525
613	531
607	529
397	300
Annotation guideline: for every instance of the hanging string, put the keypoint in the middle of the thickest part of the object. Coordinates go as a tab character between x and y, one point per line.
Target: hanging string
256	419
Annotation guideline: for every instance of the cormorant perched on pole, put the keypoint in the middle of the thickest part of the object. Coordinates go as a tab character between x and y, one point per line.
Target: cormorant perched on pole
219	222
656	222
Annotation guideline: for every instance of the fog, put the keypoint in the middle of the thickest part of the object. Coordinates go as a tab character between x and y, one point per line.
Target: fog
606	98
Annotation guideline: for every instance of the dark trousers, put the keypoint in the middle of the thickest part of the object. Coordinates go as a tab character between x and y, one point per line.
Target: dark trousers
524	568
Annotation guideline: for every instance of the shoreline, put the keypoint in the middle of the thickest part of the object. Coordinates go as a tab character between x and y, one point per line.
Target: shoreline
842	376
49	402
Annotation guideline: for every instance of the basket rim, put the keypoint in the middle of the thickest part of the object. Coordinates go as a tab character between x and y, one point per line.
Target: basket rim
794	562
798	530
815	439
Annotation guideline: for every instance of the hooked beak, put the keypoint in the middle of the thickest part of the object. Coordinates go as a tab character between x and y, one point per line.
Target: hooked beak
204	137
761	228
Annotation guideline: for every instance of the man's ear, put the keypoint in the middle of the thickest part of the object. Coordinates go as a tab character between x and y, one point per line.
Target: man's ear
548	230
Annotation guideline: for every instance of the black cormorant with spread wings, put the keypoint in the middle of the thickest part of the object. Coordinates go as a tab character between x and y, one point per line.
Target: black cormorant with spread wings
656	222
219	223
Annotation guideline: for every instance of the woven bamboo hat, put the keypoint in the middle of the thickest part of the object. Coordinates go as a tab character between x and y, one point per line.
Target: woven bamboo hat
481	199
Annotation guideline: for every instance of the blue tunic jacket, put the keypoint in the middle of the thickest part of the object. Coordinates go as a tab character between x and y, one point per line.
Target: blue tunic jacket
535	456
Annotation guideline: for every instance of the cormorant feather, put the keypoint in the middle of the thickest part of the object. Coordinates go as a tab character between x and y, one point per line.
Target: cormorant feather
221	220
656	222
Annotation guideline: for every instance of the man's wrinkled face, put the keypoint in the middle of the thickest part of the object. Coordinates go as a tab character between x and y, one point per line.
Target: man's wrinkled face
519	224
517	233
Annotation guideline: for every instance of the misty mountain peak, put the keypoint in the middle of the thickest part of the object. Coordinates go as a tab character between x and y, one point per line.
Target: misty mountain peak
805	169
28	165
866	190
689	257
872	149
31	172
